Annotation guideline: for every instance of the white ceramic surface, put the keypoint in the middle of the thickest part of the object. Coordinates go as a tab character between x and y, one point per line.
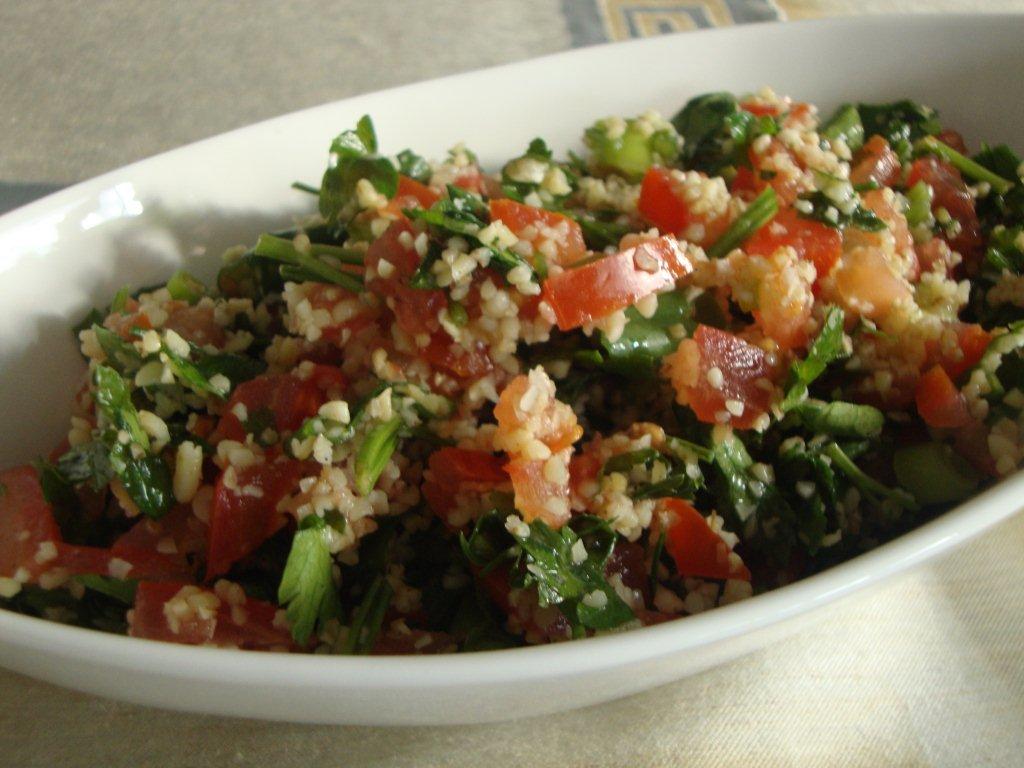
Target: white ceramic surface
63	254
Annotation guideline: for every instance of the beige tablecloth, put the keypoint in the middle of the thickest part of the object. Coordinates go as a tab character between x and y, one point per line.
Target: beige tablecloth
927	672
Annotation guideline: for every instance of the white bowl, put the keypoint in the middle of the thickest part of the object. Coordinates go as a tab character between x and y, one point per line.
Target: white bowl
63	254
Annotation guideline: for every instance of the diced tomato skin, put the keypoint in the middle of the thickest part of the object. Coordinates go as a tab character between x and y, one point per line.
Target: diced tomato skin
461	363
758	109
746	184
457	469
876	162
614	282
664	207
23	510
470	179
939	402
974	340
953	139
462	465
257	632
411	194
660	205
556	425
696	549
388	246
813	241
583	467
195	323
867	286
533	490
141	545
290	399
743	367
519	218
950	192
241	522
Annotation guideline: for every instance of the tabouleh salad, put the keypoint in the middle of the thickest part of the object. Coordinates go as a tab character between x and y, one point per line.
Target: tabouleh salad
458	410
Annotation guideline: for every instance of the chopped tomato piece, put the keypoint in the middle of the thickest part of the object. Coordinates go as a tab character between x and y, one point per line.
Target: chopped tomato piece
583	468
950	192
287	399
244	512
973	340
760	109
614	282
663	202
746	184
184	613
26	522
528	404
471	179
723	378
454	470
402	258
535	495
813	241
866	284
195	323
939	402
875	162
158	549
551	234
953	139
411	194
695	548
460	362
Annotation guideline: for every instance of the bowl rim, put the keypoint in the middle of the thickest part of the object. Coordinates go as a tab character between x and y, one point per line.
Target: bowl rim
521	664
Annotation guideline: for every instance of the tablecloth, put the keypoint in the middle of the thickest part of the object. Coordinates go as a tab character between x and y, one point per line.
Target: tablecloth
928	671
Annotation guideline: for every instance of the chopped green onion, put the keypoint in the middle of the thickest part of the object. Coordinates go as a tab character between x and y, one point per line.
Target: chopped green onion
934	473
758	213
284	251
184	286
919	210
377	447
964	164
846	125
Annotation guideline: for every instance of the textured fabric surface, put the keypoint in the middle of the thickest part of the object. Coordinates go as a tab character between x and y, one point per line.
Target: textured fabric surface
928	671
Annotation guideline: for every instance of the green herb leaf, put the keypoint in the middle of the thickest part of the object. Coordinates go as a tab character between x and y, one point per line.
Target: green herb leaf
148	481
826	348
121	355
580	589
374	452
307	587
122	590
412	165
86	463
354	156
840	419
900	123
115	404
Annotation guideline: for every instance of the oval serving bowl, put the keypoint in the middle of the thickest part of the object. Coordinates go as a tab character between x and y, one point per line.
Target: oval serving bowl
67	252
